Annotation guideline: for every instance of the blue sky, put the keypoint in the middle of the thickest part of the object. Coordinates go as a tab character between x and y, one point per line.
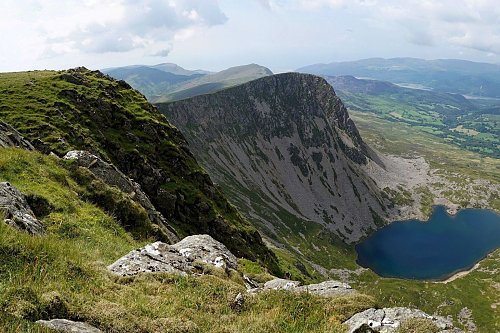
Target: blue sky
209	34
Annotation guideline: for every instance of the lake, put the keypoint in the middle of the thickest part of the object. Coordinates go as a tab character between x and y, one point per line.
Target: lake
431	250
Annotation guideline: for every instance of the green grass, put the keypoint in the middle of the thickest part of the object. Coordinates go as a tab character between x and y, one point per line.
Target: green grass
405	140
434	113
63	274
84	110
426	200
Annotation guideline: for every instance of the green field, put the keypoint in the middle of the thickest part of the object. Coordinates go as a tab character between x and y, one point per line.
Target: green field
470	124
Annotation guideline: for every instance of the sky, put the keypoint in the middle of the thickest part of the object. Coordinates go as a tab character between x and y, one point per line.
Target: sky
213	35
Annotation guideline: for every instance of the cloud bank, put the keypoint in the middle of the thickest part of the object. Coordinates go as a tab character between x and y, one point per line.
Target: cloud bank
101	26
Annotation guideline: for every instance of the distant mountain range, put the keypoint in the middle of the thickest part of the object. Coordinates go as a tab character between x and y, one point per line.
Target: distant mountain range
170	82
444	75
454	99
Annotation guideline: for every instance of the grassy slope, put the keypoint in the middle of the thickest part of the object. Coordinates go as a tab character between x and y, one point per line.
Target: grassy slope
214	82
86	110
62	274
406	140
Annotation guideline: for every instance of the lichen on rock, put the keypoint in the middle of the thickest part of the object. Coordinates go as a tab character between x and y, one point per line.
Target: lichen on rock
178	258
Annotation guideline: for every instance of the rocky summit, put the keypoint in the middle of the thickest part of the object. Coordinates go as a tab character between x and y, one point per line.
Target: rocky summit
285	150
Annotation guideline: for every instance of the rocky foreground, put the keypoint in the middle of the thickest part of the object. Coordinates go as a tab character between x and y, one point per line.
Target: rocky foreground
185	257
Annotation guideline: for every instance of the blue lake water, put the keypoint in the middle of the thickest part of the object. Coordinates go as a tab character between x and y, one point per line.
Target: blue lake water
435	249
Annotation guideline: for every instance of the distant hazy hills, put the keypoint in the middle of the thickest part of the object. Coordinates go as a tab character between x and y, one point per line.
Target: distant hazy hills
170	82
445	75
469	123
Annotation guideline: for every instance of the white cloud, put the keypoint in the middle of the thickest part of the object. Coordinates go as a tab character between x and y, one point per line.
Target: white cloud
471	24
288	33
91	26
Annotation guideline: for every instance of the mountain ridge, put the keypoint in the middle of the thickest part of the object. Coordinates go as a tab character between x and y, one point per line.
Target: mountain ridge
290	138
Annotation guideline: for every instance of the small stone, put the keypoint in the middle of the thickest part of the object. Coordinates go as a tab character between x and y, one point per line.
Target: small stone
68	326
238	302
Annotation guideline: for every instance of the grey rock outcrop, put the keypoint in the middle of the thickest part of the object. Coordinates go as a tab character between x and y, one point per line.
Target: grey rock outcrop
388	320
110	175
68	326
281	284
206	249
328	288
178	258
10	137
17	212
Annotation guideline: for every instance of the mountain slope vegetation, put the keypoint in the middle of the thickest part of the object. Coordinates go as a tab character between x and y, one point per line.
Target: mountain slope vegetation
287	154
85	110
88	224
464	122
150	81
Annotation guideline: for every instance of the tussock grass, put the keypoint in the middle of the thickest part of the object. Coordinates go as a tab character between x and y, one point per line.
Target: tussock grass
63	274
418	325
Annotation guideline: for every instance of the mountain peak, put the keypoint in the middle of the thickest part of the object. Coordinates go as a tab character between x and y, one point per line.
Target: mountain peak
285	149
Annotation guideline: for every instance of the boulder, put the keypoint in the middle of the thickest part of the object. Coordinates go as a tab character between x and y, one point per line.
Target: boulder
17	212
388	320
281	284
110	175
208	250
329	288
238	302
9	137
68	326
178	258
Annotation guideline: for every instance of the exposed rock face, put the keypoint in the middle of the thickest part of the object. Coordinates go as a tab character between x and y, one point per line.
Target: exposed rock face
324	289
285	149
68	326
9	137
110	175
16	210
206	249
388	320
178	258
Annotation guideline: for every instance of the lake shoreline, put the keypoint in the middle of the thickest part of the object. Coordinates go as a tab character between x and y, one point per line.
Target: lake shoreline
458	275
441	250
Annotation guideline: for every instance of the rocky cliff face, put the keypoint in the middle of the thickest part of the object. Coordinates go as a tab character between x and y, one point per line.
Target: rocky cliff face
287	153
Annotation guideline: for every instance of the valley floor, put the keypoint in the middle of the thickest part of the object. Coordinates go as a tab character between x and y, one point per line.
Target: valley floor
439	173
